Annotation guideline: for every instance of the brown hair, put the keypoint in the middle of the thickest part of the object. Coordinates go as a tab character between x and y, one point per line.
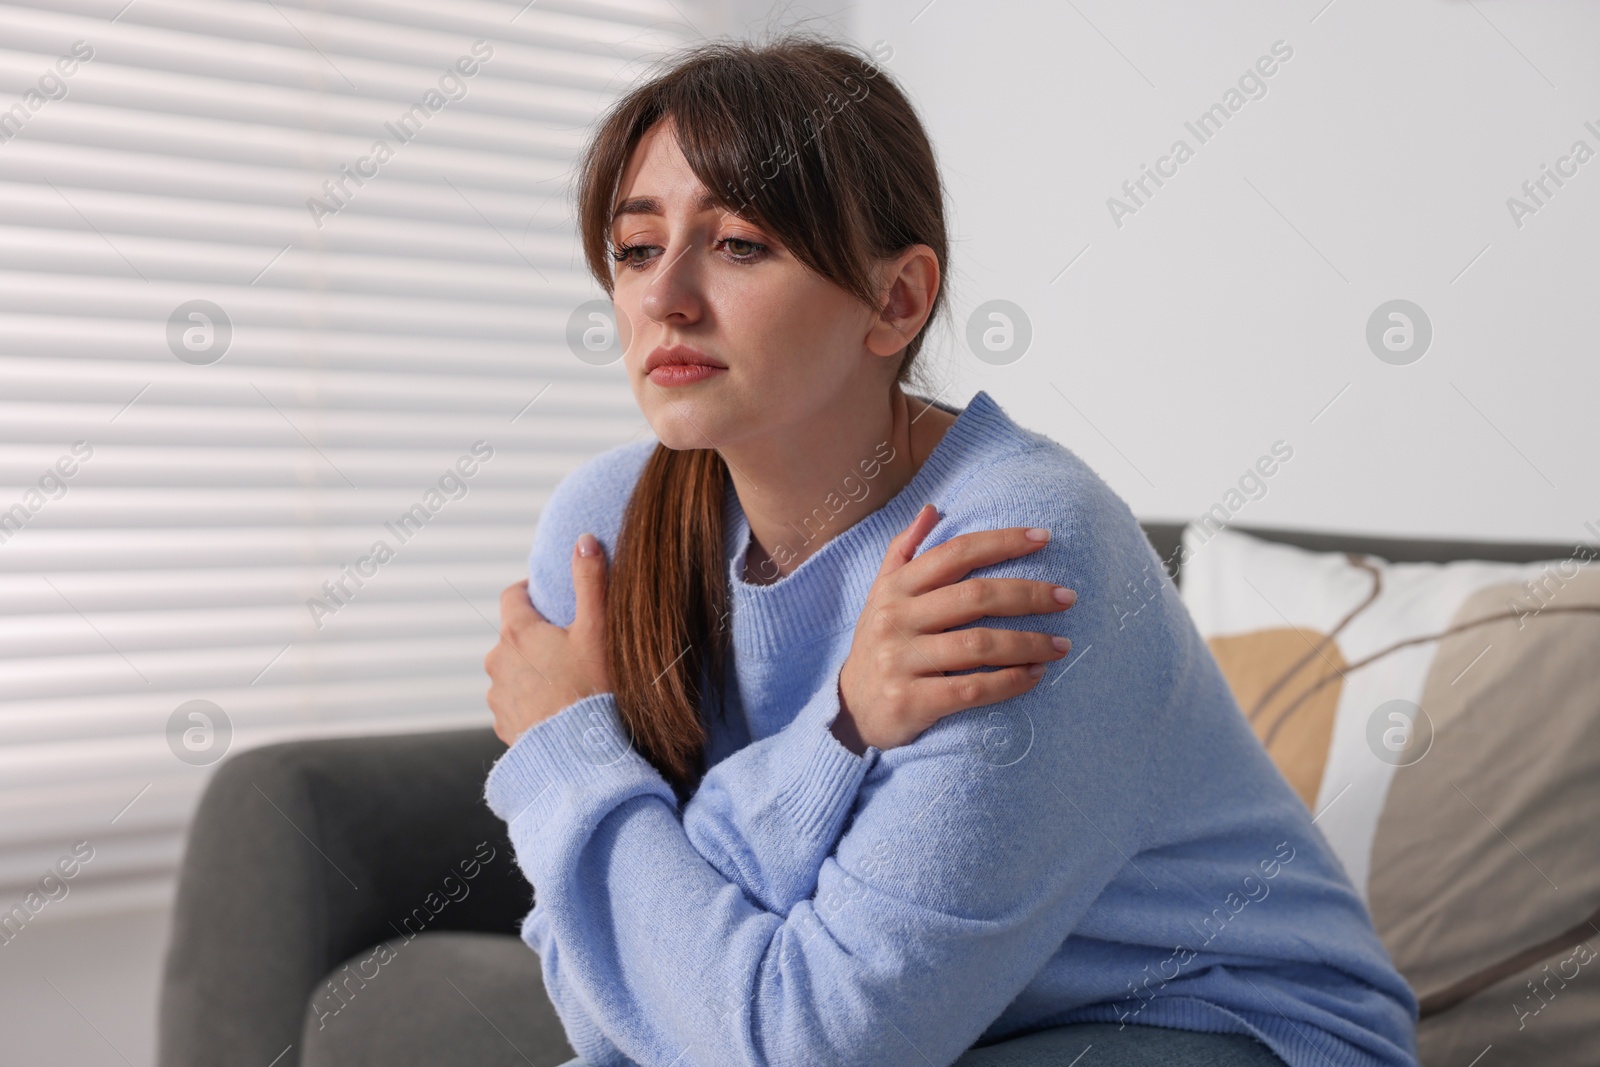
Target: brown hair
810	139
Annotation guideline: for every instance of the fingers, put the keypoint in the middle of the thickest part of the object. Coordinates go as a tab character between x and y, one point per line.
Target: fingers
939	697
984	646
906	542
589	583
515	605
959	556
977	598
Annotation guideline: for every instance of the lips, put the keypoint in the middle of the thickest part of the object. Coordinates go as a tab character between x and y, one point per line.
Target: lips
680	356
674	365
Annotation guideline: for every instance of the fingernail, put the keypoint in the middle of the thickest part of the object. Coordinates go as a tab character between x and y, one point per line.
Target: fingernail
1061	644
1038	533
1064	595
588	545
1036	669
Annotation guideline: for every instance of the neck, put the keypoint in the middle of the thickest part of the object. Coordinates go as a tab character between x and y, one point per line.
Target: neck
803	490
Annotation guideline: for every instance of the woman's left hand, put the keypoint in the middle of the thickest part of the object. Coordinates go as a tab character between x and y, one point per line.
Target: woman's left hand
538	668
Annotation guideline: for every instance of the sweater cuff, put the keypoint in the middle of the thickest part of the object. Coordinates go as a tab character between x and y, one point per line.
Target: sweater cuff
817	777
582	748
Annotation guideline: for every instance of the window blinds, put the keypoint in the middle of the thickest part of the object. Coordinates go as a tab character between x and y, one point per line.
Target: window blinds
279	282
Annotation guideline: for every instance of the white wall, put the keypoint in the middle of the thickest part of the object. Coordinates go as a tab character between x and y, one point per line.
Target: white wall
1231	309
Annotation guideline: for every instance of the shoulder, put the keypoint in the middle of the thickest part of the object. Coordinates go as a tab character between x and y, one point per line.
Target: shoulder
597	490
590	499
1088	727
1094	536
1129	614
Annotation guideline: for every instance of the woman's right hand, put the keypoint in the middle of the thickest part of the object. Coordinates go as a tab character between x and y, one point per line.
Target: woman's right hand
893	686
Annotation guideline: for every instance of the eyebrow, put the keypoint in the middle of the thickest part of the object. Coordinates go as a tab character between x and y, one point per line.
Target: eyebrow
650	205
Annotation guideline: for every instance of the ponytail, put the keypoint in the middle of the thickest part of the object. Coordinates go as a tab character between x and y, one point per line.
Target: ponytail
667	607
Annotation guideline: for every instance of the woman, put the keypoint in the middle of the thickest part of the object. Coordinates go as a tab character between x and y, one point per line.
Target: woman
775	806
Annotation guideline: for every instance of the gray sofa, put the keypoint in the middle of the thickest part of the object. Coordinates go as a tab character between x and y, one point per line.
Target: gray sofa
354	902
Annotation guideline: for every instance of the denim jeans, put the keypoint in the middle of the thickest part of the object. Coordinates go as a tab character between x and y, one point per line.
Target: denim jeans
1129	1046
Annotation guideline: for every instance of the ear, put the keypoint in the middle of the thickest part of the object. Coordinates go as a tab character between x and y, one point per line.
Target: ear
910	282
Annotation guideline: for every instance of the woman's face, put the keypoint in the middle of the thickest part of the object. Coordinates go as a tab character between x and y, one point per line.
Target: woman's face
789	343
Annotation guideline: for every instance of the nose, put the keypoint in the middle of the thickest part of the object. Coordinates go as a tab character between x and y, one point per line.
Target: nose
674	293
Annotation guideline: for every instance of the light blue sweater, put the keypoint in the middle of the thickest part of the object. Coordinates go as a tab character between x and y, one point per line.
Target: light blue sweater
1112	845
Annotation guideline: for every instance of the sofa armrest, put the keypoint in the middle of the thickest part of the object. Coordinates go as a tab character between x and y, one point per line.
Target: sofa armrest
303	853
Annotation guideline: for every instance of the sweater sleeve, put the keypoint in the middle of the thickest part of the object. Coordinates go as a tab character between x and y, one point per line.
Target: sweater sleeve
586	1039
971	855
764	817
767	815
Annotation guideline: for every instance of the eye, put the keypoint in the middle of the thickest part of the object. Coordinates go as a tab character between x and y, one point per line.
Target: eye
623	254
756	249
